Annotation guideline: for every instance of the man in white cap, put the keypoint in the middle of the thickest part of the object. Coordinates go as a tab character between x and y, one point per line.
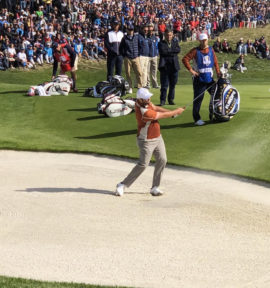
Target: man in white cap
149	140
204	59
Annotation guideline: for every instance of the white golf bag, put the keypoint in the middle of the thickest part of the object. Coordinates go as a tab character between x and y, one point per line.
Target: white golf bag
225	102
115	106
61	85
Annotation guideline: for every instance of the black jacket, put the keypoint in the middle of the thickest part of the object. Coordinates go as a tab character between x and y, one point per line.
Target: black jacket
169	55
129	46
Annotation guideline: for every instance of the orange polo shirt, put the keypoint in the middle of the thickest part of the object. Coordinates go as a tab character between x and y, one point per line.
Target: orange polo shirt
148	127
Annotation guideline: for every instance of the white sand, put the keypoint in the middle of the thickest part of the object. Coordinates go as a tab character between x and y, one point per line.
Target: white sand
60	221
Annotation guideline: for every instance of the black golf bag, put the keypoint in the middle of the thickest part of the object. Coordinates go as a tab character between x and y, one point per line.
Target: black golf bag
117	85
225	101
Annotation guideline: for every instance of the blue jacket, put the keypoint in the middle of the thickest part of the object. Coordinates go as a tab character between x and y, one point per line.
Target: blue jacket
143	45
129	46
153	46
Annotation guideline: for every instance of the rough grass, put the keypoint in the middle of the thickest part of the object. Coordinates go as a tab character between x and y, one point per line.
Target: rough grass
9	282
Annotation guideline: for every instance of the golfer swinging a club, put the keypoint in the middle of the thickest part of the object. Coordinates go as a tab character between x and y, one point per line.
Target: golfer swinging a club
149	141
204	59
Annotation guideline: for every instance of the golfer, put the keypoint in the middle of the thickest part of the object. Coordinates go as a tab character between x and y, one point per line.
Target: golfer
204	59
149	141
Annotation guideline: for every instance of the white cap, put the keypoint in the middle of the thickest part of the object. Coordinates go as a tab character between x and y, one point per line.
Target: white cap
143	93
203	36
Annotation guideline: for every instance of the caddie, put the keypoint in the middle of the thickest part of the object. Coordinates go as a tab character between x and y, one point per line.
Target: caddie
204	60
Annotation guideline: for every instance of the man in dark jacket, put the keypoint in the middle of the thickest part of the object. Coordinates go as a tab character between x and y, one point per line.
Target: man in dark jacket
168	66
129	48
112	43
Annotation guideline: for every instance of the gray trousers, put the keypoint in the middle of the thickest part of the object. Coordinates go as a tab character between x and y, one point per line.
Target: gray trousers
154	147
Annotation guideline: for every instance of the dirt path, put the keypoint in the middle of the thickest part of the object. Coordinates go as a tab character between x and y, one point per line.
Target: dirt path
60	221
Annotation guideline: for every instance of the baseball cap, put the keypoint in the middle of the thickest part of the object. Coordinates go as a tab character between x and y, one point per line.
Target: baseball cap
143	93
203	36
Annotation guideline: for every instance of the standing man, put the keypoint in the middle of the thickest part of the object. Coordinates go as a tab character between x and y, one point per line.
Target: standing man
149	140
168	66
153	58
63	53
129	48
144	53
204	59
112	42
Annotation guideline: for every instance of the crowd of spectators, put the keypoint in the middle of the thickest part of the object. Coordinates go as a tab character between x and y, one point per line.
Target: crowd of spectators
258	47
28	27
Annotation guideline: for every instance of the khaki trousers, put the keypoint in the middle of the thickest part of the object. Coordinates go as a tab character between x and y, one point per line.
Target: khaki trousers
136	66
152	72
148	148
144	66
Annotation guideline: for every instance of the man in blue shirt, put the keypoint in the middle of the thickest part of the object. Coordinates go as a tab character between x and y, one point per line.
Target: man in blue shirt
153	58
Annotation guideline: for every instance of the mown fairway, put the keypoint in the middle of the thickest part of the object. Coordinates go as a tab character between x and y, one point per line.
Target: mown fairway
72	123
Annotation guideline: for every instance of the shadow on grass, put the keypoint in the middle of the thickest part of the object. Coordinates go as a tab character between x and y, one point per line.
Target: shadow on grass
84	109
12	92
109	135
132	132
62	190
91	118
261	98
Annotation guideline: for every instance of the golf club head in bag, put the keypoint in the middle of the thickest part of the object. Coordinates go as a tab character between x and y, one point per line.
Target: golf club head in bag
121	83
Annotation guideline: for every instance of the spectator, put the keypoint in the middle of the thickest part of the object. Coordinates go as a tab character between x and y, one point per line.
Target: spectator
112	43
48	53
11	54
153	58
30	55
217	45
241	48
239	64
168	66
226	48
129	48
21	58
144	53
250	48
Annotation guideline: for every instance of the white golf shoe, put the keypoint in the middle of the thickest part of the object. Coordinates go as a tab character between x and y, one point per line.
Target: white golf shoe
155	191
199	122
120	189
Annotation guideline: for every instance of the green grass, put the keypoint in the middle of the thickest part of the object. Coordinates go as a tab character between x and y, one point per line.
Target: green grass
9	282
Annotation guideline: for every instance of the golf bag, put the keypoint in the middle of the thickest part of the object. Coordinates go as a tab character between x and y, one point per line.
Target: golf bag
61	85
225	101
114	106
117	85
